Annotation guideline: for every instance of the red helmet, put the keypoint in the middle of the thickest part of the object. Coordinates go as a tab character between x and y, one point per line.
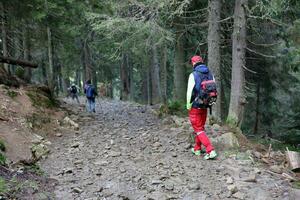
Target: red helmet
196	59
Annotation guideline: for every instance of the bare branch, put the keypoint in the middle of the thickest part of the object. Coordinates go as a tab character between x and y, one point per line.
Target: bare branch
249	70
261	54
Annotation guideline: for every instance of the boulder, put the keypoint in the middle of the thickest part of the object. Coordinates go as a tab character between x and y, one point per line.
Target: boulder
70	122
39	151
178	120
226	141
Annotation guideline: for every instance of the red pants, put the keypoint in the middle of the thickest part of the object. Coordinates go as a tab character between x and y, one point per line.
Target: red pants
198	118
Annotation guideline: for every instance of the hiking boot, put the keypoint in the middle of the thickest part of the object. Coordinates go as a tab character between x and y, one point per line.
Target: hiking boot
197	153
210	155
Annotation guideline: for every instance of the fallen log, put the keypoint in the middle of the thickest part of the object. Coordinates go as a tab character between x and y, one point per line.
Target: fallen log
13	61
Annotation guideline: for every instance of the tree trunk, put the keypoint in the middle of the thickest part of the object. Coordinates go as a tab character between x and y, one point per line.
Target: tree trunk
131	80
44	73
87	61
4	35
124	77
78	78
144	89
26	54
65	84
17	49
237	95
213	38
149	86
82	60
164	74
14	61
255	129
179	70
155	81
50	61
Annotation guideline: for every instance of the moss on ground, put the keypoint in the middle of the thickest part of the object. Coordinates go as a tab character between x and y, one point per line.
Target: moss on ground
12	94
41	97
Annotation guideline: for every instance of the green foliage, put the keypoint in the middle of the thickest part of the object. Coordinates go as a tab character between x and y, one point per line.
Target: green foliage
12	94
276	144
173	108
232	122
3	186
2	156
296	184
2	159
34	168
20	72
2	146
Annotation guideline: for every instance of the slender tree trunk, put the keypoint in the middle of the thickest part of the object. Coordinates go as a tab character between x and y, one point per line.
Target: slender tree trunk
237	96
83	65
164	74
44	73
149	86
4	35
65	84
50	61
78	78
156	89
255	129
26	54
17	49
179	70
87	61
213	38
125	87
144	89
131	80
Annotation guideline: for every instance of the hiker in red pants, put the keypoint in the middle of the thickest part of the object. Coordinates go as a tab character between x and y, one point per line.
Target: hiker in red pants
198	100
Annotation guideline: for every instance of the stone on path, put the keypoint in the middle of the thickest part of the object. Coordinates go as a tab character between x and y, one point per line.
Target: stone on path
226	141
232	188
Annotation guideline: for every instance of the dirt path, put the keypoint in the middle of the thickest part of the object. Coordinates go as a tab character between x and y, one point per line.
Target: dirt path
125	152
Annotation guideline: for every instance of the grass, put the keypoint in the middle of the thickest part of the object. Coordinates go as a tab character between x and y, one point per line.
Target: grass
173	108
3	186
34	168
12	94
39	100
2	146
2	159
276	145
2	156
296	184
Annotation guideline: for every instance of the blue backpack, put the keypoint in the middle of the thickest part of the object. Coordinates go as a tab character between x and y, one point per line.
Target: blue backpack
90	91
205	90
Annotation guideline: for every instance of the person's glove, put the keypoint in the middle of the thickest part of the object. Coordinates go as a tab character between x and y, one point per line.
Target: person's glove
189	106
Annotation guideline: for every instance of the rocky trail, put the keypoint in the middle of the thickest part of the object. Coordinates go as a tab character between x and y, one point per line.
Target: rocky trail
125	151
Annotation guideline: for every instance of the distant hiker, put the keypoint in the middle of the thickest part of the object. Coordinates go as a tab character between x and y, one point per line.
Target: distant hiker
198	100
90	93
73	92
